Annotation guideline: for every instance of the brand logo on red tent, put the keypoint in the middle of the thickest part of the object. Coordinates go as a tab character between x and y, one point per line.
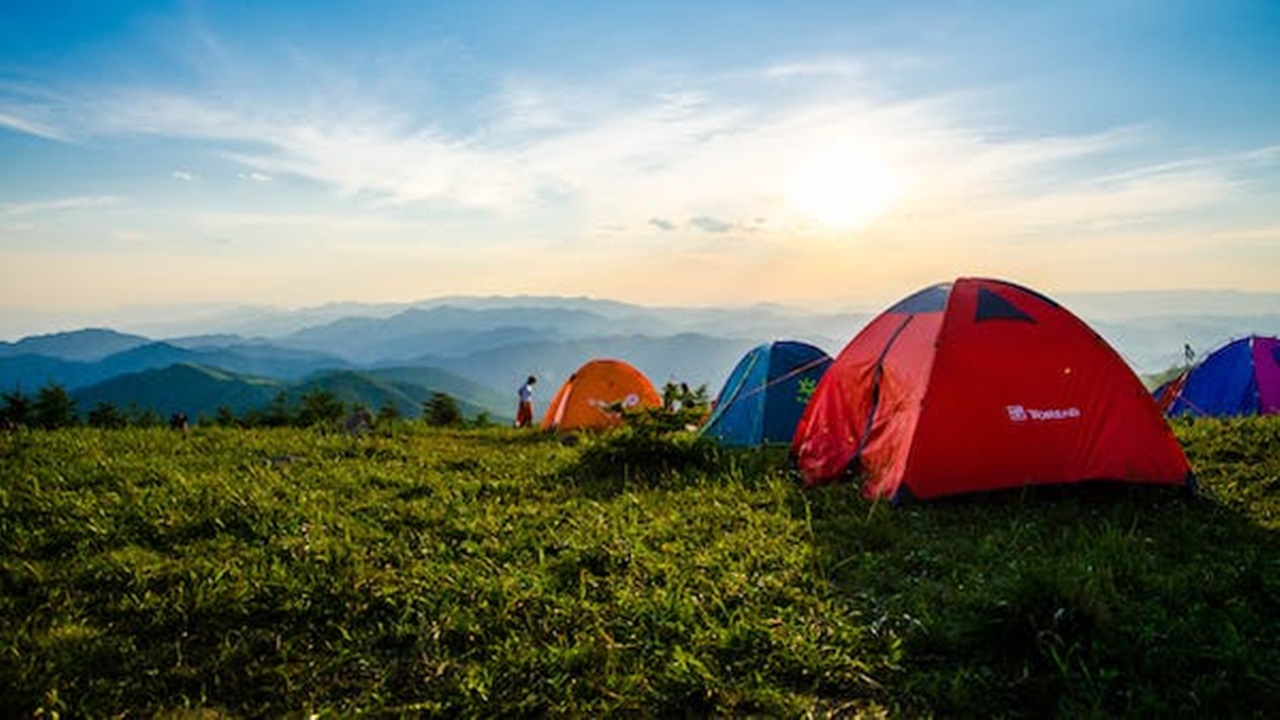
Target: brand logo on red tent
1018	413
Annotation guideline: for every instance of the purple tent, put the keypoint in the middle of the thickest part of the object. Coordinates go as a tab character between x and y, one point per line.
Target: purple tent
1240	378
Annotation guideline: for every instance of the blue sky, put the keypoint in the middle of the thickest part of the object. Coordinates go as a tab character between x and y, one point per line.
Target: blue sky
837	154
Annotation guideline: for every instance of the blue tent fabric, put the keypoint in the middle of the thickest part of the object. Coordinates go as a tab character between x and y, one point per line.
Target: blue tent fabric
763	398
1222	384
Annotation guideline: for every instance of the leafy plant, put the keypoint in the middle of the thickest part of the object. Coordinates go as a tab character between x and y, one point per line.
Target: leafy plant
106	415
320	408
17	409
647	452
53	408
441	410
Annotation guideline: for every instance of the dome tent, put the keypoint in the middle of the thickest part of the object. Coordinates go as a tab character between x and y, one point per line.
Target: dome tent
1239	378
763	398
589	398
980	385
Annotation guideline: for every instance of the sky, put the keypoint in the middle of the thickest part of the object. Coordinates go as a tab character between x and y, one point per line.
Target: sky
160	154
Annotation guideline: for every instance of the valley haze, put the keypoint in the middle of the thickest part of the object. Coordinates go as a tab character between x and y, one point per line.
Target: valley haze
478	349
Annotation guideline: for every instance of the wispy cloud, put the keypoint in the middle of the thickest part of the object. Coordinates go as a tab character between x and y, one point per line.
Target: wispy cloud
711	225
337	222
837	67
720	150
59	205
29	127
1266	234
32	110
1140	198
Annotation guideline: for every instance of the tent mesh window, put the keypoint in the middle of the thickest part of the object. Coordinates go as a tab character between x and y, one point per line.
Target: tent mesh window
991	306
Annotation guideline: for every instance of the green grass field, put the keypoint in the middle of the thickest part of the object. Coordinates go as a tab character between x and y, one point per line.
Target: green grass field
497	573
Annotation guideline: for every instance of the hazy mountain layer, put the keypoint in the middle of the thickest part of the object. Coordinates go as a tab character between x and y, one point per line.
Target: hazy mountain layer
481	349
200	391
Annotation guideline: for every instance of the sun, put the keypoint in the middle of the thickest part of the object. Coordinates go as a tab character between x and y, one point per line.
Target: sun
843	189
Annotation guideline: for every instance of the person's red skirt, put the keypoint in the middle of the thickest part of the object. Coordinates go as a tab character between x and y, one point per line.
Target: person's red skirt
524	415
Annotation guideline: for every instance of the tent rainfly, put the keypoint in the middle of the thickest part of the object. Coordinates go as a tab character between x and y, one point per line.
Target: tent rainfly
978	385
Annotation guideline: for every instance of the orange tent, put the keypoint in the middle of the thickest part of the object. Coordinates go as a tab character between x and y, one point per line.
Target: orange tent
589	398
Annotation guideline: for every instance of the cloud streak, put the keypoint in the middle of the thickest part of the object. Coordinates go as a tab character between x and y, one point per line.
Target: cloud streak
32	110
718	150
28	127
10	210
711	225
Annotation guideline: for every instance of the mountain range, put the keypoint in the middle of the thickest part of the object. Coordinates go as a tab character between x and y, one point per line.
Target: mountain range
480	349
196	390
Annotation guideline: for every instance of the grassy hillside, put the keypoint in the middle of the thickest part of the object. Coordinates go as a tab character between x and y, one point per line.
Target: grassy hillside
199	391
256	359
190	389
377	391
502	573
466	391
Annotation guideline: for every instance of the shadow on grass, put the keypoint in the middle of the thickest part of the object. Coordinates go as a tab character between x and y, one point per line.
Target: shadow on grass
1096	599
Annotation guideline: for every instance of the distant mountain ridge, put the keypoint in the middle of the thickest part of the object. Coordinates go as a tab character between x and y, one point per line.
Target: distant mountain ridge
688	357
32	371
451	331
199	391
444	330
85	345
267	322
1171	304
494	342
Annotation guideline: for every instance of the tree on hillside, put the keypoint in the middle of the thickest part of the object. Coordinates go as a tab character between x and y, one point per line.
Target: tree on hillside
320	407
276	414
388	414
441	410
143	417
16	409
225	417
53	408
107	415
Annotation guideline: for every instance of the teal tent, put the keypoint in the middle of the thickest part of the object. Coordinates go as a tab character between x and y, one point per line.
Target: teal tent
763	398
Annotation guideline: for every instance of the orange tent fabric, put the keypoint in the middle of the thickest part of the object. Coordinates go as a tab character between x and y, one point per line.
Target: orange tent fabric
583	401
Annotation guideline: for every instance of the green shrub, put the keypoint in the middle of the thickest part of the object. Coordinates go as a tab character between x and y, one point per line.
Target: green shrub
441	410
646	452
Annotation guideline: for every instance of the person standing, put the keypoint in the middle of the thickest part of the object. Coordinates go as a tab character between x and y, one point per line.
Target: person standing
524	412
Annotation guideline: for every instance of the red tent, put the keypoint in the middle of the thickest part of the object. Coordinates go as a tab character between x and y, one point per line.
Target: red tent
979	385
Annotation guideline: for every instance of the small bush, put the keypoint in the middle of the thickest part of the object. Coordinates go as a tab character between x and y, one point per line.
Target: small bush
647	452
441	410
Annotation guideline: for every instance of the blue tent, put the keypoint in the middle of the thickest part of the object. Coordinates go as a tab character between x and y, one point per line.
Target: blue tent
763	398
1239	378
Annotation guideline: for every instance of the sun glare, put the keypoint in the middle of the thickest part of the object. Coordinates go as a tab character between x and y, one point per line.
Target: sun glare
843	190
